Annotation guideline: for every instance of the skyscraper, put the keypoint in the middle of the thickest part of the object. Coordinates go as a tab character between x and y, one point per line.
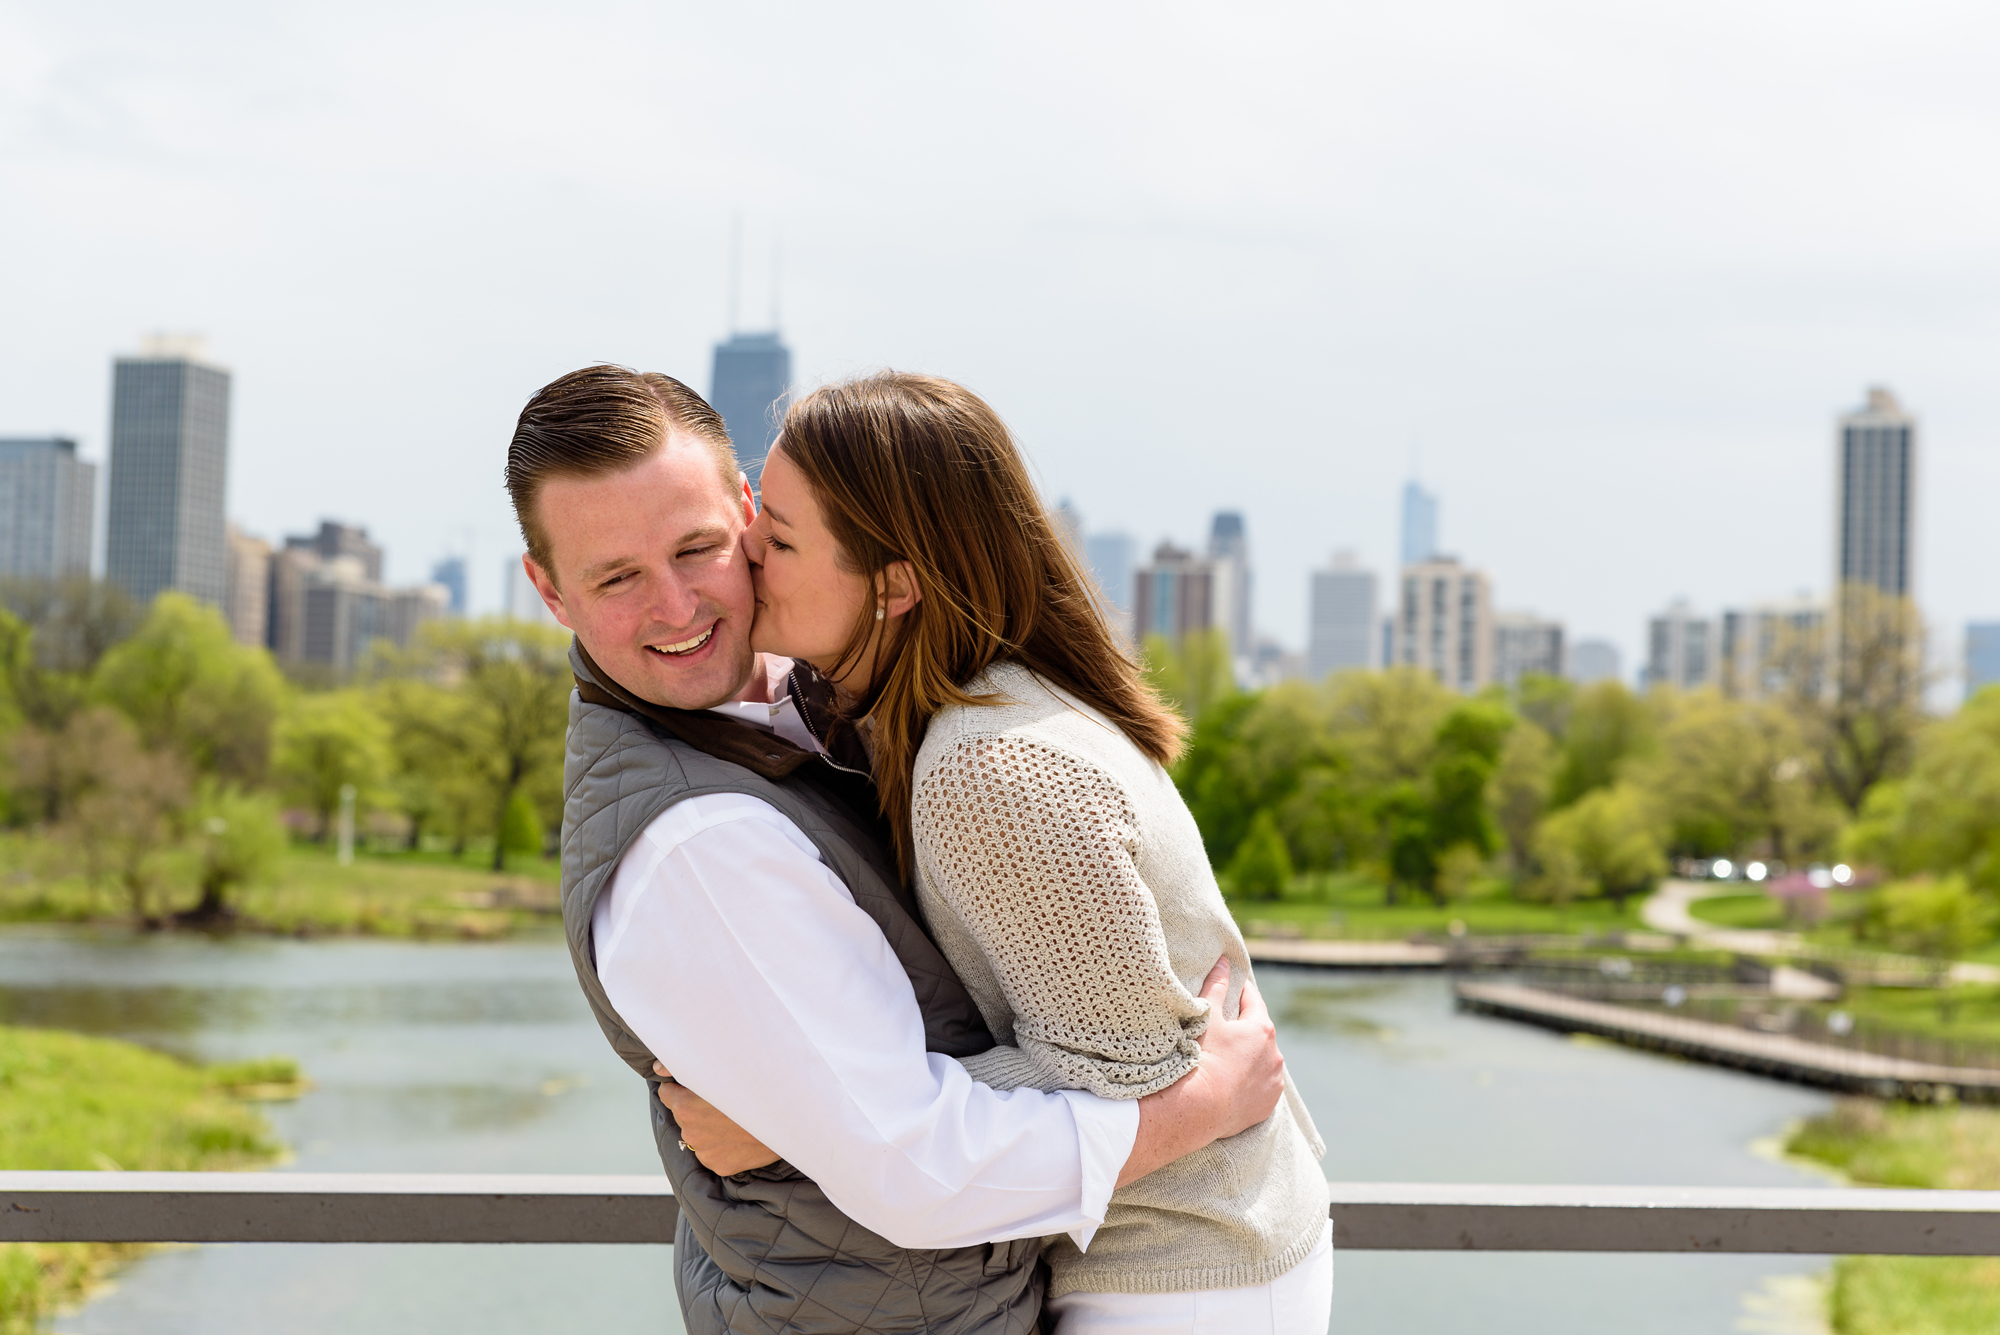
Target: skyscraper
1682	649
1444	623
752	373
48	498
1525	644
248	602
450	573
1420	524
169	463
1877	486
1229	555
1173	596
1342	624
1111	557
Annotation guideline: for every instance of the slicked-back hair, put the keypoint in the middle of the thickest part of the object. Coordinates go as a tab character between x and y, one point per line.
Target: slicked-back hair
918	469
602	419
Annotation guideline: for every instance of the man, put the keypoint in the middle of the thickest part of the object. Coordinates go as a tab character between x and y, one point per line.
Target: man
732	910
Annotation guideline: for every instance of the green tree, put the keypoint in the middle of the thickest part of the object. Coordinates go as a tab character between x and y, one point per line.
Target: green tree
1607	726
1729	772
1192	674
521	830
1262	867
239	839
1469	741
128	807
1858	692
191	688
1608	841
326	742
1939	917
1945	816
1546	702
1518	792
509	708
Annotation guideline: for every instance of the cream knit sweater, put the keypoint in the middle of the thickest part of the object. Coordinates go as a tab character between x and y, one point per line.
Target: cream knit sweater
1065	880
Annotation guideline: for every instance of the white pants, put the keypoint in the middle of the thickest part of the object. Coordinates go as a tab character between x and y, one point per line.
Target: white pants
1298	1302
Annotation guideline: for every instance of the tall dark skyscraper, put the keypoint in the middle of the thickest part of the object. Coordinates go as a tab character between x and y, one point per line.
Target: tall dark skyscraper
1877	472
752	373
169	464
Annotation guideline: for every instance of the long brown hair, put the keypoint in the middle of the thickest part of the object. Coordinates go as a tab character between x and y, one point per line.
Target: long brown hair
915	468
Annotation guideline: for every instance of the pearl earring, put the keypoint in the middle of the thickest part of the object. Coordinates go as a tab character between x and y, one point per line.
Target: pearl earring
880	612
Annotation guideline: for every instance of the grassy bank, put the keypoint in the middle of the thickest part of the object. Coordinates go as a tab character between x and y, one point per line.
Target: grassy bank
1350	906
428	893
71	1102
1897	1146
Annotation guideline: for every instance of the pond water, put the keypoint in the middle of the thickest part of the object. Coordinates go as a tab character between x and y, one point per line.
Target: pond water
483	1058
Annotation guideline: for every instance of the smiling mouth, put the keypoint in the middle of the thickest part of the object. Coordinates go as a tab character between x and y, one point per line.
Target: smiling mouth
685	646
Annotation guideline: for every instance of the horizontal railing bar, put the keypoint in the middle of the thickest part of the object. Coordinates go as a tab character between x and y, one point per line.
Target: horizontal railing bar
435	1207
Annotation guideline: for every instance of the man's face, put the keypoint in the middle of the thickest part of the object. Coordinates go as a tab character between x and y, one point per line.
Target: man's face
650	574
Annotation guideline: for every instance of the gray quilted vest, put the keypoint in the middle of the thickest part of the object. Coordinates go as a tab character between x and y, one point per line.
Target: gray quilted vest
765	1251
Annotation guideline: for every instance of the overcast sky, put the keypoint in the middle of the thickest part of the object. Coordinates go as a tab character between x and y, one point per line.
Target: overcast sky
1604	274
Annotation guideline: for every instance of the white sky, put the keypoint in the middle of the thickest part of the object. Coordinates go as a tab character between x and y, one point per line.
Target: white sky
1610	269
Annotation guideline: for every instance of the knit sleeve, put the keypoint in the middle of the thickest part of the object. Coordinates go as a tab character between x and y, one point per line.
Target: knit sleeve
1031	848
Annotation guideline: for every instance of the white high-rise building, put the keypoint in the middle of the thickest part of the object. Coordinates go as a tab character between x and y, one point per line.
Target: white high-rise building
1342	619
1444	623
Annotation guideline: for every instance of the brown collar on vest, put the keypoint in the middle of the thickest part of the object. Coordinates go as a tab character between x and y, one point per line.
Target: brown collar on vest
760	752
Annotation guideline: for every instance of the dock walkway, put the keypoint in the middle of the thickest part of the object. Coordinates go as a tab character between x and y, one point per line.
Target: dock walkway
1778	1055
1346	954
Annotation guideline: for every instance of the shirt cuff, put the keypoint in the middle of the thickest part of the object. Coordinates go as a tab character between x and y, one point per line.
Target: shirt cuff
1106	1130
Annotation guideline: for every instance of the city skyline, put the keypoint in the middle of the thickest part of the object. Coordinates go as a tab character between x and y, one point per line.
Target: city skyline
1594	327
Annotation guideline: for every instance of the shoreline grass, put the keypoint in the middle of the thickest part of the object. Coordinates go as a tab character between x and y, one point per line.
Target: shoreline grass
76	1103
1951	1148
427	893
1353	907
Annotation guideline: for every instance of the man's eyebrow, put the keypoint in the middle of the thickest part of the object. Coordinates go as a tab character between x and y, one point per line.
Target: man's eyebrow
591	573
707	533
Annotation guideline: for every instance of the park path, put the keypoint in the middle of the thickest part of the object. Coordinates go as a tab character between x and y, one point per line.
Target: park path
1668	910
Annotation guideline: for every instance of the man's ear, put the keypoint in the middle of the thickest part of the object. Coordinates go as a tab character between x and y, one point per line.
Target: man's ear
749	499
547	588
897	587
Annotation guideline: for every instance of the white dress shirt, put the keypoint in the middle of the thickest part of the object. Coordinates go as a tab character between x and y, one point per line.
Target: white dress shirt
743	962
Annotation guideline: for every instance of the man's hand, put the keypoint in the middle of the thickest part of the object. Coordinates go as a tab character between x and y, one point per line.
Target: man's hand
723	1147
1238	1084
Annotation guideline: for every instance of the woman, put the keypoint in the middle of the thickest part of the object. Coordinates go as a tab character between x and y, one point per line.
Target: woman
906	556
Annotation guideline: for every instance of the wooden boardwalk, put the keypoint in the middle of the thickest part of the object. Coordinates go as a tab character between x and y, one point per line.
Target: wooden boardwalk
1398	955
1777	1055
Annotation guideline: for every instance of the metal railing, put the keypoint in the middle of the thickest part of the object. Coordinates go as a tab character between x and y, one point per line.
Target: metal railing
397	1207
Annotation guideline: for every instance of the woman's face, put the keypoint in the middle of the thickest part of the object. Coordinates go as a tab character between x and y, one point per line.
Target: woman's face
807	605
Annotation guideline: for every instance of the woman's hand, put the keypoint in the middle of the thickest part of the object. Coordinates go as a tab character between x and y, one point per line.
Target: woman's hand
723	1147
